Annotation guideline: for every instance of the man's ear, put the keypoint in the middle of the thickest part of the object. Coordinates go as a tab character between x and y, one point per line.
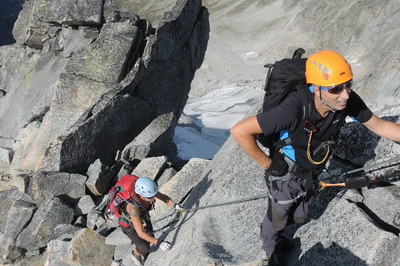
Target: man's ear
316	89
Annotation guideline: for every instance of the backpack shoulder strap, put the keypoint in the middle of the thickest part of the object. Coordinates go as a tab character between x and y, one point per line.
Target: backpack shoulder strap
306	100
338	121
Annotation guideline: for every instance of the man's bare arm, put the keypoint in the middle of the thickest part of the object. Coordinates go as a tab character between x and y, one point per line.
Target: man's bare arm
244	132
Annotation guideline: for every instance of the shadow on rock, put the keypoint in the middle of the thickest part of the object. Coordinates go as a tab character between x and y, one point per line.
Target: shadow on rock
319	255
217	252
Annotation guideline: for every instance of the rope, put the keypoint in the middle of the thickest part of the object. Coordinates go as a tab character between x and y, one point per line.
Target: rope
185	211
228	203
173	221
218	205
309	152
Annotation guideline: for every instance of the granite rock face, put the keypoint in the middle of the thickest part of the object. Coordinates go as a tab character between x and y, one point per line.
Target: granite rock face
82	82
106	120
84	78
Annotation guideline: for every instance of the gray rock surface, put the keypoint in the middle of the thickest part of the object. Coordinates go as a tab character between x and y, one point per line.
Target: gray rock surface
39	231
64	232
56	249
99	178
5	156
88	248
92	79
74	95
106	58
8	199
121	252
24	76
178	188
154	140
125	116
81	115
366	146
151	167
168	173
343	235
118	238
37	18
84	206
18	216
43	186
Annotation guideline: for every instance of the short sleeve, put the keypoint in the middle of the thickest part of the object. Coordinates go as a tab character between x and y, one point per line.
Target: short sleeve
357	108
285	116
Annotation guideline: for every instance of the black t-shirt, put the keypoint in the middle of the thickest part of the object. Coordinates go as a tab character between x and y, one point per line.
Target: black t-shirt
288	114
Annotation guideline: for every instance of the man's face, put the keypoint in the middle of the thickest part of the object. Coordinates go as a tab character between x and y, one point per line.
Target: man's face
336	101
335	97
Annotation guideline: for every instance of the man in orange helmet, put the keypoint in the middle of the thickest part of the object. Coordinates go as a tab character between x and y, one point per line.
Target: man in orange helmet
329	78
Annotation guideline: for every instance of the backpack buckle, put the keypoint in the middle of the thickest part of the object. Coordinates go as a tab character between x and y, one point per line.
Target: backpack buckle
310	127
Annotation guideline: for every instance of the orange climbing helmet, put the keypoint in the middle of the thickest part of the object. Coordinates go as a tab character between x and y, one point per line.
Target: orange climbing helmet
327	68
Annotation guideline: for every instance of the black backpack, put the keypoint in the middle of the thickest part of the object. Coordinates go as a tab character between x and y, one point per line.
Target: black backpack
284	77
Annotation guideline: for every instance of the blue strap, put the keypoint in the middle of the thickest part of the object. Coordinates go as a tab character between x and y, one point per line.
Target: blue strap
288	149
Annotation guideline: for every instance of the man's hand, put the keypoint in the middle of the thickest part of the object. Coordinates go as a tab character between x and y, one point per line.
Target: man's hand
278	166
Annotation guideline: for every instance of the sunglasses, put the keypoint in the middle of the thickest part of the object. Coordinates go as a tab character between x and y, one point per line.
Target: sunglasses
337	89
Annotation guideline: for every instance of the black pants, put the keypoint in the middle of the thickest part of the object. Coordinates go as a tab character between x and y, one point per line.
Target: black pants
142	246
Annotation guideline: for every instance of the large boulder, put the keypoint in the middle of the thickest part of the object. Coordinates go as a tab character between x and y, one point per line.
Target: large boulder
154	140
40	230
99	178
106	59
55	250
182	35
84	206
43	186
88	248
17	210
151	167
64	232
89	73
35	23
28	88
125	116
